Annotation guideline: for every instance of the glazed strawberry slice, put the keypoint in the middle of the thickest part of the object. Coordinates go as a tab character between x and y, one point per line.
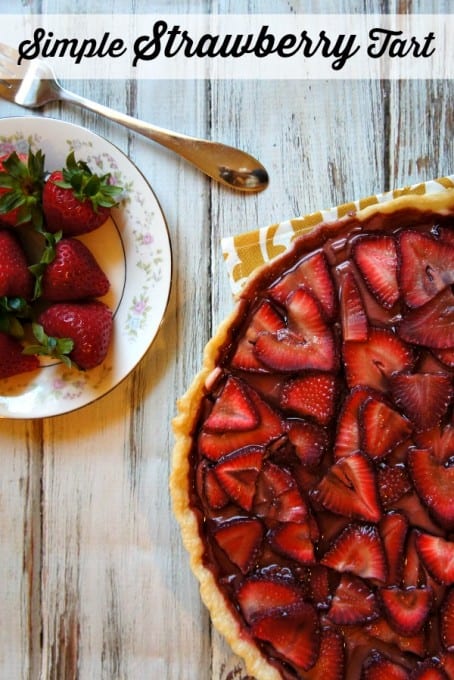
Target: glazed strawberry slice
349	488
237	474
393	482
379	667
437	554
353	602
307	343
215	495
429	670
293	633
446	356
312	395
358	550
240	539
12	359
308	439
382	633
214	445
447	621
331	658
434	483
440	440
382	428
371	363
353	316
313	273
407	609
278	497
265	318
259	596
294	540
431	325
423	397
232	410
348	436
426	266
376	258
393	530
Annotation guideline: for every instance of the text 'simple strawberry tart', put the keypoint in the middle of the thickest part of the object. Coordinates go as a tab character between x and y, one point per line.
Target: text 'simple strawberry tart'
313	472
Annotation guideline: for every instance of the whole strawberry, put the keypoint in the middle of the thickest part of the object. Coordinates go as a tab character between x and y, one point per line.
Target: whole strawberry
75	200
12	358
16	280
21	184
84	329
73	274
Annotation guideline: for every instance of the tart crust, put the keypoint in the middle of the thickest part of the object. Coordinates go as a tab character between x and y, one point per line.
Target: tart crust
188	410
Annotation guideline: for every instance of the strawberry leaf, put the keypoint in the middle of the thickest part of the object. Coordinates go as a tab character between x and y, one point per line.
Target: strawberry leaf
58	348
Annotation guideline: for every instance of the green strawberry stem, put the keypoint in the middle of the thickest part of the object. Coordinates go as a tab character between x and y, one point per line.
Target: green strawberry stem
13	310
87	185
58	348
24	182
47	256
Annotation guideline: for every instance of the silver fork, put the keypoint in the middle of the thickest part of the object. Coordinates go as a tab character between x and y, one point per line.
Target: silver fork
33	84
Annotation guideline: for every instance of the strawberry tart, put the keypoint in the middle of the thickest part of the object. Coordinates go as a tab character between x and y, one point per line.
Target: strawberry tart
313	469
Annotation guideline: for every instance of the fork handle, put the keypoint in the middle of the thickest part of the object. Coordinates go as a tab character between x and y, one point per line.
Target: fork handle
225	164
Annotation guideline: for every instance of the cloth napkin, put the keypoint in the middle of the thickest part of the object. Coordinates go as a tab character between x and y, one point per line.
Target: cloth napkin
243	253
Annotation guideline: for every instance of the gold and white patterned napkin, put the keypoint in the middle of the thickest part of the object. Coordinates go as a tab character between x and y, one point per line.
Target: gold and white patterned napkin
245	252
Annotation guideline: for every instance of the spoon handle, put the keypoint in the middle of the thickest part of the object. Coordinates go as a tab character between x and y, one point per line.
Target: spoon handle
225	164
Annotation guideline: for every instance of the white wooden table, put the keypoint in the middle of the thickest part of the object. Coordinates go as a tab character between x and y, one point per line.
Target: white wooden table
94	581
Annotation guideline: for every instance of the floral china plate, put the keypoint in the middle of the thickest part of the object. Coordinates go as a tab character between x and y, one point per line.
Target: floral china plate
132	247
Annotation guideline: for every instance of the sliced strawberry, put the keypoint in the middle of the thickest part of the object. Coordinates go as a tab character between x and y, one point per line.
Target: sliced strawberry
240	539
439	440
382	427
278	497
12	359
423	397
430	669
307	343
358	550
348	431
353	602
294	540
237	474
265	318
376	258
259	596
434	483
426	266
379	667
446	356
313	273
232	410
393	529
447	621
331	658
431	325
393	482
319	584
349	488
371	363
215	495
407	609
381	631
353	316
293	633
308	439
312	394
214	445
437	554
447	663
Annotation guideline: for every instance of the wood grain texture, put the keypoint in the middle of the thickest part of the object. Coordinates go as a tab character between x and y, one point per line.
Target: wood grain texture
96	582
